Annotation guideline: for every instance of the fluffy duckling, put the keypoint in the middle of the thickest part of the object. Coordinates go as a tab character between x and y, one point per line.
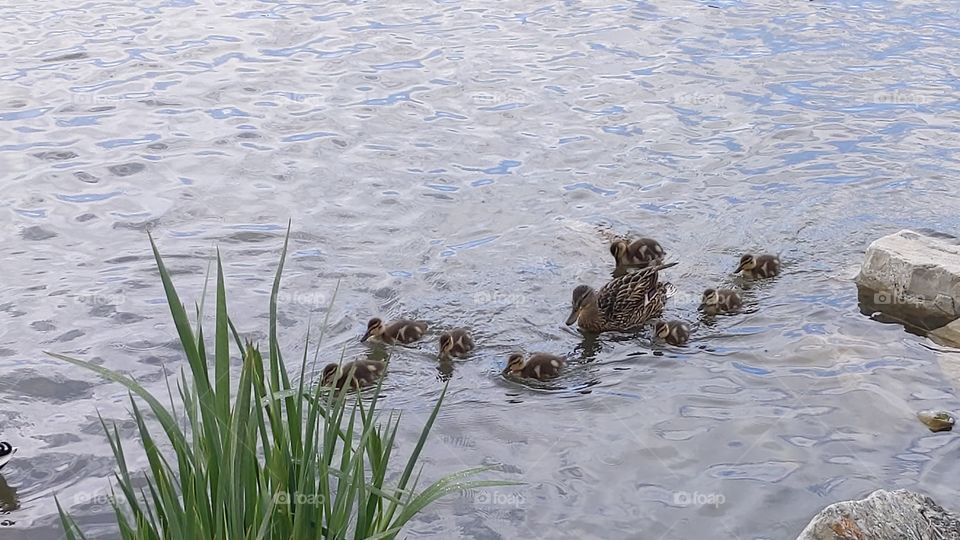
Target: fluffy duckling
402	331
356	374
759	266
624	304
539	366
636	255
720	301
6	453
455	344
673	332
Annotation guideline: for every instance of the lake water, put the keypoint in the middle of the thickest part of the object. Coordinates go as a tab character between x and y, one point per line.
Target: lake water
467	163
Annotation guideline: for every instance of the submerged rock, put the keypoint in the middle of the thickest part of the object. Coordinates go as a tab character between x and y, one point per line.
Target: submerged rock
913	277
937	420
948	335
884	515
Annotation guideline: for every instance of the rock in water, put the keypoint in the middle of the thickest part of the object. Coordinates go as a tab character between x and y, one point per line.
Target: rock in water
914	276
884	515
948	335
937	420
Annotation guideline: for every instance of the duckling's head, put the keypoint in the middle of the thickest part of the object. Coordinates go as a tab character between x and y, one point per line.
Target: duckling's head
710	298
329	373
661	329
582	296
446	345
514	363
619	250
747	262
374	328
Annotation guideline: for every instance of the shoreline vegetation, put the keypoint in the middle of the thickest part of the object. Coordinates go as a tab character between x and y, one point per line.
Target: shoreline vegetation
259	457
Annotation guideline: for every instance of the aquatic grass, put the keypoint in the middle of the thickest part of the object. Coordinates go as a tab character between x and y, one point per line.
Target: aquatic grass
264	458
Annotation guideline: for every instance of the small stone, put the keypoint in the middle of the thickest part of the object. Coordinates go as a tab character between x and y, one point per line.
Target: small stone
937	420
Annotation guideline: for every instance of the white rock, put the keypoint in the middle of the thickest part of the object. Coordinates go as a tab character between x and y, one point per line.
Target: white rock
917	271
884	515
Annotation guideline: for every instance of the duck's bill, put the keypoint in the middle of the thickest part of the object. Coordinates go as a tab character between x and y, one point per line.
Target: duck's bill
739	268
574	315
701	307
366	336
6	459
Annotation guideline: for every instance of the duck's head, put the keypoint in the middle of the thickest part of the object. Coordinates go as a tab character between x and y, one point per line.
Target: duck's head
582	296
710	298
619	250
514	363
747	262
661	329
446	345
329	374
374	328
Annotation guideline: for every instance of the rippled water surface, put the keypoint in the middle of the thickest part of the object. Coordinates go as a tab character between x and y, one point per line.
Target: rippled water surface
467	163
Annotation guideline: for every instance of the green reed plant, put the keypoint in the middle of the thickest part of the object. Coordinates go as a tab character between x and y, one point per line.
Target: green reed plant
259	457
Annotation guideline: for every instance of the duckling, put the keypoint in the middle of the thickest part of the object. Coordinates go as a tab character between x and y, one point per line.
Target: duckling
759	266
623	304
358	374
636	255
7	451
402	331
673	332
539	366
456	343
719	301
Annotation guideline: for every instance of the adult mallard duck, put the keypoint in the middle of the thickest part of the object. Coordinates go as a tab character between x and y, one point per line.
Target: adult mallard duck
623	304
356	374
636	255
759	266
402	331
539	366
673	332
7	451
456	343
716	301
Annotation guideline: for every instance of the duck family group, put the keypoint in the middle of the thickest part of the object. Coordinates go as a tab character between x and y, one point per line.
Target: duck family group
634	297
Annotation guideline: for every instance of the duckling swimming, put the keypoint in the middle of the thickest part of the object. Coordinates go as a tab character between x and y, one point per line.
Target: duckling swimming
456	343
716	301
636	255
7	451
403	331
540	366
759	266
623	304
356	374
673	332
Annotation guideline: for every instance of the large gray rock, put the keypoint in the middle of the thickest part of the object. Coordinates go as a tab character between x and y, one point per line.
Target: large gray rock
884	515
917	273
